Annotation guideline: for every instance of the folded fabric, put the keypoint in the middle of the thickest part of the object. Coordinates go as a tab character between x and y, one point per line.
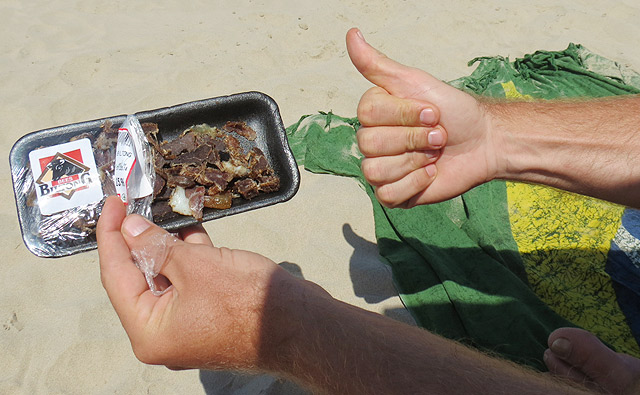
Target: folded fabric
503	265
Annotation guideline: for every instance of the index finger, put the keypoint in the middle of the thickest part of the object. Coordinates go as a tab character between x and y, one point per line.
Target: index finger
195	234
378	108
385	141
122	280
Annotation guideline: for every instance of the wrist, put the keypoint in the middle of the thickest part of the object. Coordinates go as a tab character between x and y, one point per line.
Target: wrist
290	315
497	140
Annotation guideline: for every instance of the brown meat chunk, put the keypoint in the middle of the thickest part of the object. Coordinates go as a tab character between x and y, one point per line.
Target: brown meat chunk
173	148
199	155
180	181
158	186
246	187
240	128
213	177
160	210
258	163
270	183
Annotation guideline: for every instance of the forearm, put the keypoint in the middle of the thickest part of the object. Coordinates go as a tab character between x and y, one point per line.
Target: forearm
590	147
341	349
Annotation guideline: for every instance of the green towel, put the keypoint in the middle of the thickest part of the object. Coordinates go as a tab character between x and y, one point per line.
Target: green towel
467	268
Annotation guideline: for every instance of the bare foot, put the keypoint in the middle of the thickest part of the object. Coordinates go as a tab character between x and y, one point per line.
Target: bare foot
580	356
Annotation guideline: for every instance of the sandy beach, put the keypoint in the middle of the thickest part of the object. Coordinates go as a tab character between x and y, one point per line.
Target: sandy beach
84	60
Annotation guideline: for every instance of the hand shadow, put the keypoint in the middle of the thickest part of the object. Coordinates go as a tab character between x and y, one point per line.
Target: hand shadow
372	279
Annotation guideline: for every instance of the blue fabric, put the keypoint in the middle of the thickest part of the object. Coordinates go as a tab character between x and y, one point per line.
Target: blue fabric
623	265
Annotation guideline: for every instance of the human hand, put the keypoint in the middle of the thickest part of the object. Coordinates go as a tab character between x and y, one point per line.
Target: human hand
222	309
423	140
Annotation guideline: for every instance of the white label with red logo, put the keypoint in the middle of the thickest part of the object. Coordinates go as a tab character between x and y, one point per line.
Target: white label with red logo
65	176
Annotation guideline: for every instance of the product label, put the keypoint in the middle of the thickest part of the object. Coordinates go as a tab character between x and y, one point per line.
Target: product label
65	176
129	177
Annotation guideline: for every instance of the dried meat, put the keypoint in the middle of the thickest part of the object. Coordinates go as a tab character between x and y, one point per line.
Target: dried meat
207	167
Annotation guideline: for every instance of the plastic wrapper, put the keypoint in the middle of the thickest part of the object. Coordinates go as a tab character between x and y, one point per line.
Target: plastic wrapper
151	258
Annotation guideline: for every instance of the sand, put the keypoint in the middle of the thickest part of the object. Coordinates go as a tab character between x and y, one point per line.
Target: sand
65	62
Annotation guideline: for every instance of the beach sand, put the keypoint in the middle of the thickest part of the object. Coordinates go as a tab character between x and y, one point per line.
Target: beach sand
68	62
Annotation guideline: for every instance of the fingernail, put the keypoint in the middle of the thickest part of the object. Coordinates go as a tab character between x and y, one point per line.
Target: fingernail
561	347
135	224
359	34
428	116
431	170
435	138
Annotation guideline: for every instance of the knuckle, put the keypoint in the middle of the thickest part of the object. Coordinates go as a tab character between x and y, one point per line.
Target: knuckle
408	113
365	112
369	142
412	143
416	139
372	171
367	106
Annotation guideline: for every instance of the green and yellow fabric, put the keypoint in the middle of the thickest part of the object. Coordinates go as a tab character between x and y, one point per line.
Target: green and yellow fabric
503	265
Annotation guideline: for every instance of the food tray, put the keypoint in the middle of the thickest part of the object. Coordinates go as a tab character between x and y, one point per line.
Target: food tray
258	110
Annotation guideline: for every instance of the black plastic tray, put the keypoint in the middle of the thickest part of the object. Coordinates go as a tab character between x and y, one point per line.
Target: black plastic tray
256	109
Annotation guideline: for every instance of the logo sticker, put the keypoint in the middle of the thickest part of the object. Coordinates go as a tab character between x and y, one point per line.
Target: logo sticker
65	176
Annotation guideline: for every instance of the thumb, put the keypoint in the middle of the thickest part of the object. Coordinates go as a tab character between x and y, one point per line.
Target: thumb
396	78
150	245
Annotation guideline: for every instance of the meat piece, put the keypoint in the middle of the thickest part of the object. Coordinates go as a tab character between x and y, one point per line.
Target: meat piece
193	172
180	181
158	186
188	201
213	177
151	132
204	130
235	171
105	159
173	148
105	141
220	201
234	148
240	128
268	183
158	160
161	210
150	129
81	136
258	163
246	187
196	201
109	129
164	195
198	156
